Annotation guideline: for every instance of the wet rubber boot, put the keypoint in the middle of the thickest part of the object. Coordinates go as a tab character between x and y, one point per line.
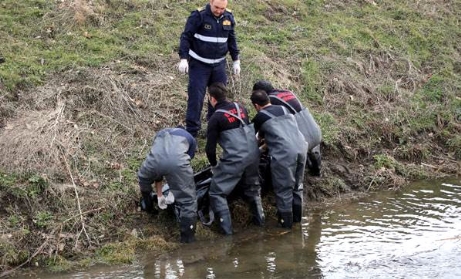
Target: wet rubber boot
187	227
225	222
257	211
286	219
297	213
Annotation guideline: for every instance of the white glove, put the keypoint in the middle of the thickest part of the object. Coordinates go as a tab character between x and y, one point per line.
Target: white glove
162	202
236	67
169	198
183	66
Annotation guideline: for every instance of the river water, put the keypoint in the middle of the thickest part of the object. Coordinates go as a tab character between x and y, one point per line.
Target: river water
412	233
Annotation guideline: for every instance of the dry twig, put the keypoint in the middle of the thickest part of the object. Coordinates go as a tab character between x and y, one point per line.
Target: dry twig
78	202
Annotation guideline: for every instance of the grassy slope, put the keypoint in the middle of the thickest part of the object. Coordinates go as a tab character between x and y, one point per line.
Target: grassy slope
382	80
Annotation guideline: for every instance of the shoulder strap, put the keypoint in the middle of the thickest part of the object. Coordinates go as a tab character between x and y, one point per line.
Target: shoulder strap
285	112
267	113
230	113
283	101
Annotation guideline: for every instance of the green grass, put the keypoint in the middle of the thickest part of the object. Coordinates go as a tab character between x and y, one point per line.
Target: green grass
383	82
302	45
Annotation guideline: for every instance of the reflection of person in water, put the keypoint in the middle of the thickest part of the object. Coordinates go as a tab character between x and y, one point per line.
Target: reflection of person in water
280	254
193	261
295	255
311	238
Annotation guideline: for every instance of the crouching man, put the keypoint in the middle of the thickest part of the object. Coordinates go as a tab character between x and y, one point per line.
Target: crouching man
287	149
169	157
305	120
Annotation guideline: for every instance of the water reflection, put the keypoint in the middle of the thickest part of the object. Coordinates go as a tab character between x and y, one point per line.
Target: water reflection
389	235
256	253
415	233
407	235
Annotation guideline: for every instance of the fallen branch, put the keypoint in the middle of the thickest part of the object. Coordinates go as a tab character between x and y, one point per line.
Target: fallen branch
451	238
430	166
84	213
78	202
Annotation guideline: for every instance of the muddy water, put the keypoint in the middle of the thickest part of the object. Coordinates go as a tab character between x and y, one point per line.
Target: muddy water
414	233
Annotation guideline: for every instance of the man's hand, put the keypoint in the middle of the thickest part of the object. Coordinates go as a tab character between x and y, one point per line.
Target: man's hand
183	66
236	67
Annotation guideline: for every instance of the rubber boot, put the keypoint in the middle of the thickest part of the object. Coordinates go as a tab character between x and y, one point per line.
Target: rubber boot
314	161
187	227
286	219
257	211
147	202
297	213
225	222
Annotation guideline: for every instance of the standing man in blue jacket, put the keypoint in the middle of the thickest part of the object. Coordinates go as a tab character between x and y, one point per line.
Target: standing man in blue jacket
207	38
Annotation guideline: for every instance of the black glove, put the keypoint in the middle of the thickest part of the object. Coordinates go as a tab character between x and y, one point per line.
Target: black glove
147	202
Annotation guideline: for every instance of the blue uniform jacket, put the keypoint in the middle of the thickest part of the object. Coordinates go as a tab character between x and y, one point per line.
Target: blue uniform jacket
207	38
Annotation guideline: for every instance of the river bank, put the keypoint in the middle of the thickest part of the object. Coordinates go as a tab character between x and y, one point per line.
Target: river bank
383	233
84	86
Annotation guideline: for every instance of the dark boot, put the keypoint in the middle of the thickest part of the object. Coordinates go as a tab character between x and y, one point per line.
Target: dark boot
297	213
314	161
187	227
286	219
225	222
147	202
257	211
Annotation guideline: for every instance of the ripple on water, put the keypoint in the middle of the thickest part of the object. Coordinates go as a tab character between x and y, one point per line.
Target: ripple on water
411	234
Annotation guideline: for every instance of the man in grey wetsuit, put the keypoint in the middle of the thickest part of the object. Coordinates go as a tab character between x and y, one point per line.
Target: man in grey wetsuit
306	122
287	149
229	127
169	157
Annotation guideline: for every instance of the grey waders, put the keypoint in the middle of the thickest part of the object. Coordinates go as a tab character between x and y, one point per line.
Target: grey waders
288	149
240	160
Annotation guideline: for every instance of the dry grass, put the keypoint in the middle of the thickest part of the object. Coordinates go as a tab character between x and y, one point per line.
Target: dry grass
98	108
